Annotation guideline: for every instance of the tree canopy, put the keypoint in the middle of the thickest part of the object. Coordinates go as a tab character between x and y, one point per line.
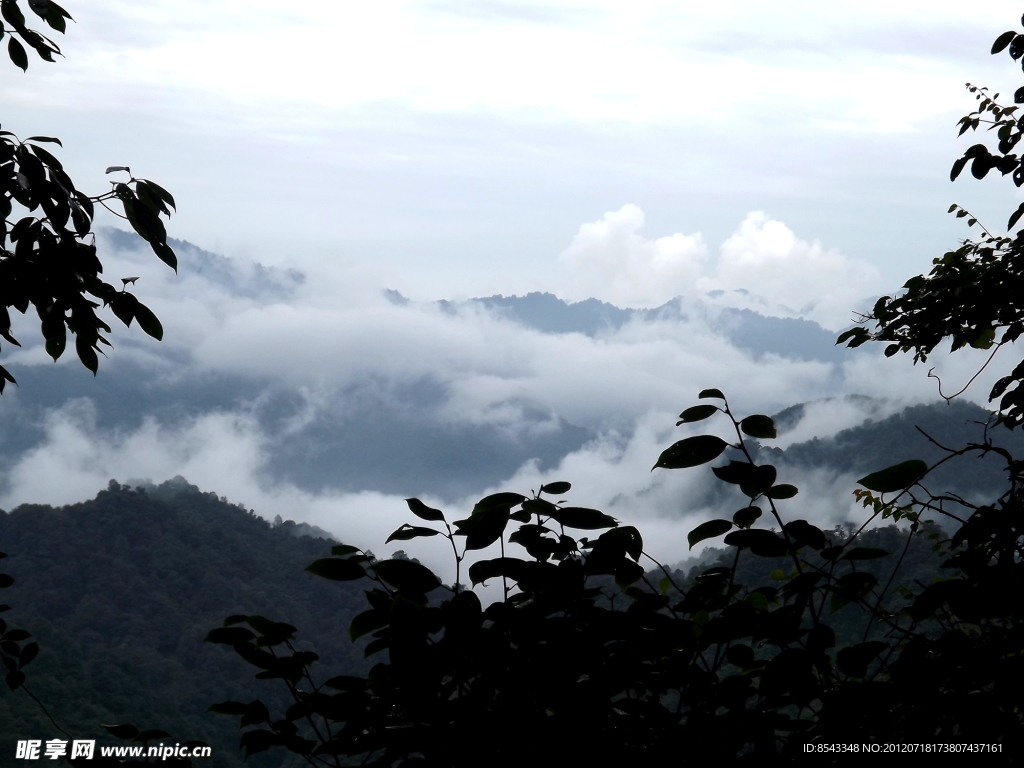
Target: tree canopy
45	261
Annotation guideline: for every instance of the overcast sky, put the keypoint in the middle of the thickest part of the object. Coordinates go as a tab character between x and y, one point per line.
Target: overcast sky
458	148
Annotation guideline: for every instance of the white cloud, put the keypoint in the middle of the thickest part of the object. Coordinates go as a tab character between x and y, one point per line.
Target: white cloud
817	283
337	331
825	418
226	453
611	260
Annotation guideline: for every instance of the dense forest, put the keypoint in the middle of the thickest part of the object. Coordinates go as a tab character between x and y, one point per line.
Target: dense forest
120	591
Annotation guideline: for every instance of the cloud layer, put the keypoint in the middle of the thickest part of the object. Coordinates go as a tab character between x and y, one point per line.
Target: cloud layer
612	260
319	397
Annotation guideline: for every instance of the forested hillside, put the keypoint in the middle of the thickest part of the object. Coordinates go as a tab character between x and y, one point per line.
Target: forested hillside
120	592
904	436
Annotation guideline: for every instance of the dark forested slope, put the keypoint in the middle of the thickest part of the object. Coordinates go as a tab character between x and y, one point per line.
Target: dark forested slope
879	443
120	592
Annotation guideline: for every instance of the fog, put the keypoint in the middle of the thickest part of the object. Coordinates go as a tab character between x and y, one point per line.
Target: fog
313	393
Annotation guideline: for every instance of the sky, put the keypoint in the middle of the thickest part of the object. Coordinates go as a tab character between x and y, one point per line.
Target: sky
459	148
791	158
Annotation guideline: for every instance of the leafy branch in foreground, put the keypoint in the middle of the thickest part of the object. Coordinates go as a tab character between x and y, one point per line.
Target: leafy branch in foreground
588	656
971	296
46	263
44	259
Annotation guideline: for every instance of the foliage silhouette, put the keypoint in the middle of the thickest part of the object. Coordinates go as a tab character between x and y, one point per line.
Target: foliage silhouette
713	671
46	263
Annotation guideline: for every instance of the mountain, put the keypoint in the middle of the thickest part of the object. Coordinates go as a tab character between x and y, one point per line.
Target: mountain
876	444
748	330
120	591
348	435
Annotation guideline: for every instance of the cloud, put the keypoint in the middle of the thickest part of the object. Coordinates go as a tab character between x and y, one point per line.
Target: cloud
820	284
610	260
226	453
323	401
763	266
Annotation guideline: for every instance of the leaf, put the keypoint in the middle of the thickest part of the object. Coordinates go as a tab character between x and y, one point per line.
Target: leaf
628	573
803	533
691	452
981	165
17	53
406	576
55	17
165	253
229	635
162	193
556	488
855	336
366	622
854	661
958	168
228	708
488	520
124	731
505	500
625	539
705	393
758	426
782	491
583	518
15	677
761	542
697	413
984	339
347	682
45	139
1015	216
148	321
336	569
115	168
708	530
1002	41
424	512
896	477
1016	50
865	553
740	655
28	653
485	529
407	532
509	567
746	517
87	354
751	477
343	550
850	587
831	553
